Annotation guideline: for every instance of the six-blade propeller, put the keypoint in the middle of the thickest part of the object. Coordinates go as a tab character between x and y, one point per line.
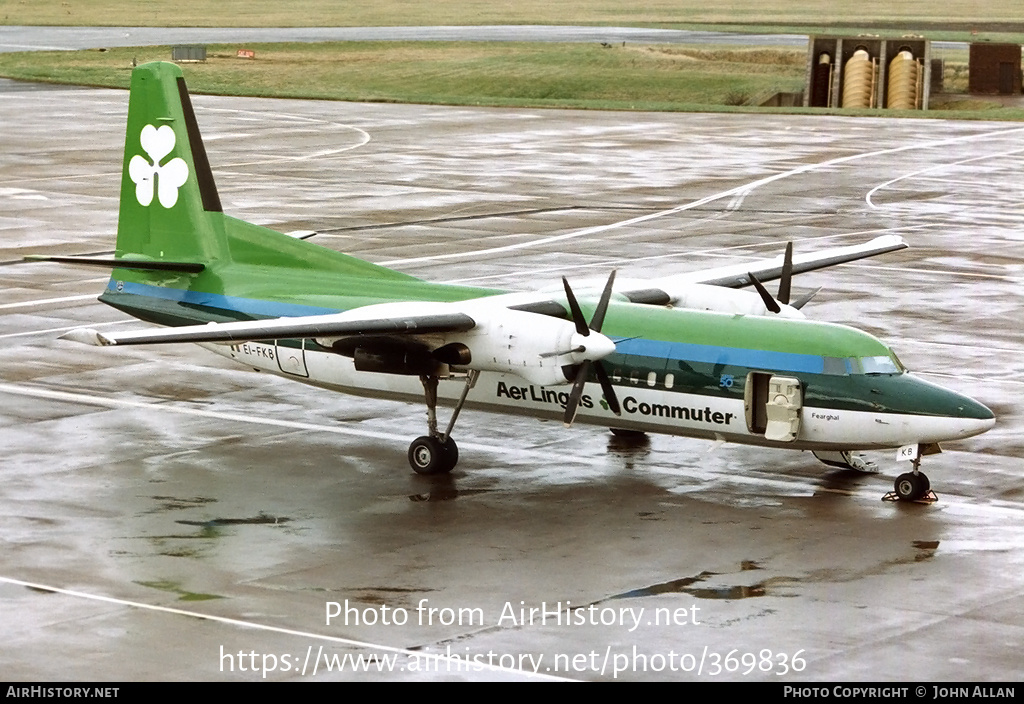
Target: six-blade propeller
584	330
583	371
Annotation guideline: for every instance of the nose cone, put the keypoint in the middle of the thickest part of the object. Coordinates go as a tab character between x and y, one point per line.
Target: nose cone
969	408
931	413
975	418
961	416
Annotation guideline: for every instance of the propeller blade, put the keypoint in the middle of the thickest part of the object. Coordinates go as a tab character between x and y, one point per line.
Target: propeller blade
574	309
805	299
602	307
769	302
608	389
786	280
573	404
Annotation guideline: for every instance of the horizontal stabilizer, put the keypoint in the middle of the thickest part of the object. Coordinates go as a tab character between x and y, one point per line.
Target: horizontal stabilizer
112	263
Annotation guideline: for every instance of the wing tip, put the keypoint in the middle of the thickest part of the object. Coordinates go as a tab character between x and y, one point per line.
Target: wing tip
87	336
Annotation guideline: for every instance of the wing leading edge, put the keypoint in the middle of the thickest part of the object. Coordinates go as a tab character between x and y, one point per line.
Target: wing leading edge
667	290
314	326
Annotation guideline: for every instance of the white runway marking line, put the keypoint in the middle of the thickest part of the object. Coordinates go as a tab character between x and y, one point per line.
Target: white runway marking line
943	272
44	301
743	190
413	654
91	400
937	167
63	329
365	137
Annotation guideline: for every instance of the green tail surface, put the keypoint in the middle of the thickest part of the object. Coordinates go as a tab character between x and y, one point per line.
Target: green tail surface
170	209
213	267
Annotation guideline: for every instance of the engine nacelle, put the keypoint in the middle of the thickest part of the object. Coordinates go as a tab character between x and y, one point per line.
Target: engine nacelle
718	299
534	347
530	345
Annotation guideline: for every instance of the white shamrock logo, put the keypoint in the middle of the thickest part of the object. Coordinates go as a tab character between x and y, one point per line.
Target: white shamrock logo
157	143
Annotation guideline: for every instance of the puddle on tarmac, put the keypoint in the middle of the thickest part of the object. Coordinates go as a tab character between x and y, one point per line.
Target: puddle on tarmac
261	519
175	588
927	548
446	494
686	586
173	503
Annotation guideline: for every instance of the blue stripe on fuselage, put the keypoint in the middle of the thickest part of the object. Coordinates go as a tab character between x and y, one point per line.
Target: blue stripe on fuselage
655	349
729	356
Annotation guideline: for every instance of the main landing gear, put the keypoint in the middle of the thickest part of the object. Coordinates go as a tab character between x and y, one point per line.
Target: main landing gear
435	452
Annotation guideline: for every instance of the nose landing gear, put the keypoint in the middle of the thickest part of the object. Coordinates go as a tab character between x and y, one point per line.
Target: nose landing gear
912	486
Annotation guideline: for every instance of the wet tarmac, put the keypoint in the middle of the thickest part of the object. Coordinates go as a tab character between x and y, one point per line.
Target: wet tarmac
164	515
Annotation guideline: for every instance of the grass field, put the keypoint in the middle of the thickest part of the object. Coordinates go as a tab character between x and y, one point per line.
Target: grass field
632	77
964	15
463	73
544	75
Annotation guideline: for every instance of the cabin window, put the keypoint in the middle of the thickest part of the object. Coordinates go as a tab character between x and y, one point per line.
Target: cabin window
652	378
617	375
634	377
669	380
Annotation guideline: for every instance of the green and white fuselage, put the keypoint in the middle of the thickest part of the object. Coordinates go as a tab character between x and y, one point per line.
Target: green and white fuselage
676	371
685	355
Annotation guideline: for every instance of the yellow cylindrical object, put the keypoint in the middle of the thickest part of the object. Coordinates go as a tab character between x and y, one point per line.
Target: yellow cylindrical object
858	81
902	93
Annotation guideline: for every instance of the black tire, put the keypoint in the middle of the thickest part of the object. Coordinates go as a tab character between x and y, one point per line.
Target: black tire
927	483
428	455
911	487
451	452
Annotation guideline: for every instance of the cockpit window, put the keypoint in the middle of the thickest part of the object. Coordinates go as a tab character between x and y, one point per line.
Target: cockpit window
880	365
845	366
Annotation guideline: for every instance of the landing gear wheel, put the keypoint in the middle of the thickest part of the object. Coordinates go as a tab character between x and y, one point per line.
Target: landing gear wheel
911	487
428	455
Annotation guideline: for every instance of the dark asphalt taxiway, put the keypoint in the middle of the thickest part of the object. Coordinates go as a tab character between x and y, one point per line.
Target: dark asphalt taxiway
164	515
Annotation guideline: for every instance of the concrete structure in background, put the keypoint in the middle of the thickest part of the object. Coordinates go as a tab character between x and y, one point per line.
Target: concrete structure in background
868	72
186	53
995	68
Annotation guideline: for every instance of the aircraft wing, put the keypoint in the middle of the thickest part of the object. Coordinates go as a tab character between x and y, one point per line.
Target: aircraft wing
474	335
424	319
696	289
662	291
314	326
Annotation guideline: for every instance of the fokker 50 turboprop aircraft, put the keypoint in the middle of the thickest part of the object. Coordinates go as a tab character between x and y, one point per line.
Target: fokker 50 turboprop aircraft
684	355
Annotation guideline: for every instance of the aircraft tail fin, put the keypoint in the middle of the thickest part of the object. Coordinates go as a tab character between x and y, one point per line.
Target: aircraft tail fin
170	210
